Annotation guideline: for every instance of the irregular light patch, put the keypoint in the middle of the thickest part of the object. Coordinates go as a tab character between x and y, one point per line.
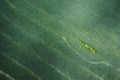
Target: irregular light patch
6	75
88	46
83	44
100	62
